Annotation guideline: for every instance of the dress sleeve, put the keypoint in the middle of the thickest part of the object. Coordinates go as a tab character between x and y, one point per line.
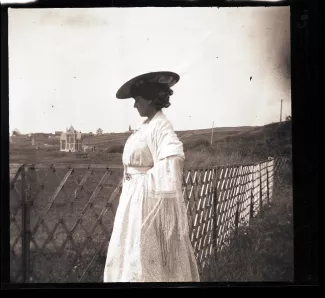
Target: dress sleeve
164	211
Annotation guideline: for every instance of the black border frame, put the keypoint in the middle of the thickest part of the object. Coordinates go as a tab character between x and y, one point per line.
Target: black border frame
305	79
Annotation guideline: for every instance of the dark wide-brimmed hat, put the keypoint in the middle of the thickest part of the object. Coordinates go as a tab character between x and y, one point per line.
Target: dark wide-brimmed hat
163	77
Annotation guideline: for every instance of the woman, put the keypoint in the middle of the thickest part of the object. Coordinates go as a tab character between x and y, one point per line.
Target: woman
150	240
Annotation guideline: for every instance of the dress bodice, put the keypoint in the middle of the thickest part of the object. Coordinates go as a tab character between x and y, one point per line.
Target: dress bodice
136	151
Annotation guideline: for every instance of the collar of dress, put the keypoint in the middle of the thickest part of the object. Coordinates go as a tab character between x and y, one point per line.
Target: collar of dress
157	115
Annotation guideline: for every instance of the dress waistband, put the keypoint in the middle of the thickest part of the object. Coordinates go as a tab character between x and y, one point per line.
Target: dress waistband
131	171
136	170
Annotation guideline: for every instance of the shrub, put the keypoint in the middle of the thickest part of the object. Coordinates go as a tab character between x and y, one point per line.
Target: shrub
115	149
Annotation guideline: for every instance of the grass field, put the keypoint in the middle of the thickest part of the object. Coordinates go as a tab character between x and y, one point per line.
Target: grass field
231	145
79	209
264	250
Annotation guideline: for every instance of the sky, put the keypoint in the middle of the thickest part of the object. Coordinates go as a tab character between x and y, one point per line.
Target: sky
66	65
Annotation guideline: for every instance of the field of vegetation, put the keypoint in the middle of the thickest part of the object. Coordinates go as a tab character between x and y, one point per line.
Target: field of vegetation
263	252
230	145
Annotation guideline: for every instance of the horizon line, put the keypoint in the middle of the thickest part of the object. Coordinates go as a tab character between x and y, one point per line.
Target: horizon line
176	130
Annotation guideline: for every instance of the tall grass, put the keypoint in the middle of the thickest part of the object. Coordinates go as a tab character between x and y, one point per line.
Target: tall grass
206	155
264	250
252	146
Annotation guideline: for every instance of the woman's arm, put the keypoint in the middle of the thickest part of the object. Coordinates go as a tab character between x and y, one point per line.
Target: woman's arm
164	212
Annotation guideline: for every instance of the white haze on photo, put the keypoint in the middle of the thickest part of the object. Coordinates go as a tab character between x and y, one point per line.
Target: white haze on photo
65	66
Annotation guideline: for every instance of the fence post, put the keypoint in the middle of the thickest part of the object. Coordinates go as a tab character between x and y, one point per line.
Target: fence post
261	192
238	202
267	184
25	225
251	209
215	199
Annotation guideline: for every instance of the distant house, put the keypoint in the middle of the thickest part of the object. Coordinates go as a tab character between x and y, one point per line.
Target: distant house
38	141
70	141
99	131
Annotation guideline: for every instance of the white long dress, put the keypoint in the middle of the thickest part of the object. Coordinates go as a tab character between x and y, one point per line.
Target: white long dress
150	239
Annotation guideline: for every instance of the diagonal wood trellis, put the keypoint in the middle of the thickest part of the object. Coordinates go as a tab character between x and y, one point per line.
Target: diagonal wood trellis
62	216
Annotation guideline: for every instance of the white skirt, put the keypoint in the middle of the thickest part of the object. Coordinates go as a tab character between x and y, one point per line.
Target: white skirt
134	255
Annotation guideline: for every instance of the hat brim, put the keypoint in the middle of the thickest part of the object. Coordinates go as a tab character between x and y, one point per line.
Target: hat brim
164	77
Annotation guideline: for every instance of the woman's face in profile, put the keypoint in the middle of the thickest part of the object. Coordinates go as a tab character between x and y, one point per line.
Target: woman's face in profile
141	105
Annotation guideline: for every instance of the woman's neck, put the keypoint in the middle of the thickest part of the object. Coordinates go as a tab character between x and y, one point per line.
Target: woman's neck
151	115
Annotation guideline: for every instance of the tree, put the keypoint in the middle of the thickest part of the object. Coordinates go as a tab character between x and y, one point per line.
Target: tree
15	132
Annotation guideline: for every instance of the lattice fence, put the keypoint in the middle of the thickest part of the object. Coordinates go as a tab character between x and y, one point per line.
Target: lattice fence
62	217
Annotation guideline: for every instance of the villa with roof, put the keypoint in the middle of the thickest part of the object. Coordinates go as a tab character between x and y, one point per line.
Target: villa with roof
70	141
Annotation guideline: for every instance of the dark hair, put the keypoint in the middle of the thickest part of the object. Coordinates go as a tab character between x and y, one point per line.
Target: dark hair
157	92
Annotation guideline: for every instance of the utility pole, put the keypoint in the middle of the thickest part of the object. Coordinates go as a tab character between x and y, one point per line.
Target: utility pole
281	111
212	132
